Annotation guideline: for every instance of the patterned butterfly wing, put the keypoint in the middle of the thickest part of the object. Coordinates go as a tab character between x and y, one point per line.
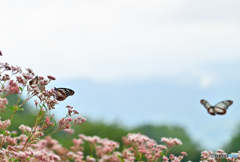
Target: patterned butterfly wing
221	107
63	93
33	81
208	107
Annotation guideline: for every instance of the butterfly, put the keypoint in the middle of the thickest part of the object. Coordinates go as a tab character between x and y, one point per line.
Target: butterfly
36	81
220	108
63	93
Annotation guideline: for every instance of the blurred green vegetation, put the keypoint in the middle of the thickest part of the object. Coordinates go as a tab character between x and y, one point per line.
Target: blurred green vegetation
234	144
25	117
116	132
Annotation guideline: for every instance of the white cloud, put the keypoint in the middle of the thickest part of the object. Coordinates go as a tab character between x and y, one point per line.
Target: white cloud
118	40
207	81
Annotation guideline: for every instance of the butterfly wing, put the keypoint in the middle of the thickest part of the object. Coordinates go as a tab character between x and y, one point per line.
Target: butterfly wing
221	107
63	93
36	81
33	81
208	107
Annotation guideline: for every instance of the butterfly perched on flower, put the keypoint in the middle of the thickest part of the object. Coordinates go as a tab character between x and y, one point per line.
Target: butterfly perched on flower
220	108
37	81
63	93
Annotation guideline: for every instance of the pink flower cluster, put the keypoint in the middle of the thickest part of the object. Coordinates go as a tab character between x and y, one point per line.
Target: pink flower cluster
4	124
207	156
141	144
171	142
3	103
30	145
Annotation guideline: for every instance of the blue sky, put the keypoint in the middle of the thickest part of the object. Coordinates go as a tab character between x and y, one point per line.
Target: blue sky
132	60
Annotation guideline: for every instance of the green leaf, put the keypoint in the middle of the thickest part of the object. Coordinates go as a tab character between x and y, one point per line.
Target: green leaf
21	88
45	106
3	132
55	123
13	134
12	108
26	133
13	159
162	154
40	112
121	158
21	109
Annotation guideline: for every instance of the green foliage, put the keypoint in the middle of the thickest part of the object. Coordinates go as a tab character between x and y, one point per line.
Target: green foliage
234	144
21	117
113	131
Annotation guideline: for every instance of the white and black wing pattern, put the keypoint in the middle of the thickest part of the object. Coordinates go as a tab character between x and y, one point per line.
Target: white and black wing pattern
63	93
209	107
33	81
221	107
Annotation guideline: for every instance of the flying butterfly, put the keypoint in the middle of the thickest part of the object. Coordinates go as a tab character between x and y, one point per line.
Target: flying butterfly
36	81
220	108
63	93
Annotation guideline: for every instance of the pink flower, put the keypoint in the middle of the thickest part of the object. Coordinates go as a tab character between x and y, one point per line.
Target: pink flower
69	131
29	71
36	102
24	128
51	77
141	151
149	157
11	141
130	149
13	87
184	153
90	159
177	141
161	147
4	124
3	102
47	120
27	76
171	156
79	120
77	141
54	157
220	151
165	158
16	70
20	80
171	142
204	154
7	67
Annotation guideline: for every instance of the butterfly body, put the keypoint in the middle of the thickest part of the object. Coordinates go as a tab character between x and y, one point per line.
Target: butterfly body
220	108
63	93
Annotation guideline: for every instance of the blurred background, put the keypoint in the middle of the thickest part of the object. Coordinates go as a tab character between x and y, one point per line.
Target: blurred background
135	66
